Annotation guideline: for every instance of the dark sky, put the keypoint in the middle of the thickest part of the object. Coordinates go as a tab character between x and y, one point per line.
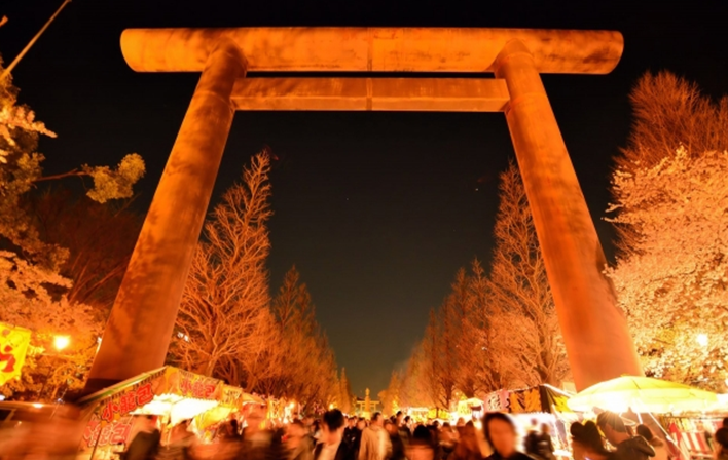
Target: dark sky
377	210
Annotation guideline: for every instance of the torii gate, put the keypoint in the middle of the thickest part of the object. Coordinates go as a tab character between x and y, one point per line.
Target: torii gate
141	323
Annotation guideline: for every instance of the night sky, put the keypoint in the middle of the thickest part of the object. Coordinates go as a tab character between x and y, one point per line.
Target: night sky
377	210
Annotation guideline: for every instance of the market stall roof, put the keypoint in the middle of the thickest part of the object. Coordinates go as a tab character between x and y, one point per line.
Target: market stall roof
643	394
166	391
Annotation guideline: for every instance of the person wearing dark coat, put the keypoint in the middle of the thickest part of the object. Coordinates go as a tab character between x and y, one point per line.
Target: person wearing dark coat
332	446
628	447
500	432
145	444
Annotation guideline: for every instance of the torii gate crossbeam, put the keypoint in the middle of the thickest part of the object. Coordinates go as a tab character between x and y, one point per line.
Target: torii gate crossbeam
141	323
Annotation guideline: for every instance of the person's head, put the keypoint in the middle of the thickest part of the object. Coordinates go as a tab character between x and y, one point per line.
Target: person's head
149	422
534	423
461	422
353	421
333	427
500	432
645	432
436	424
361	424
399	417
390	426
721	437
377	419
407	420
468	437
613	427
420	446
296	432
545	428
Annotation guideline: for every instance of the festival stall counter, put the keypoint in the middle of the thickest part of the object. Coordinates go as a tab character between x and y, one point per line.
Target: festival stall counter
170	394
544	404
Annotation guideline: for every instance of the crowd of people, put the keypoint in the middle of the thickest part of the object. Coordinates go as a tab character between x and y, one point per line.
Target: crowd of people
337	437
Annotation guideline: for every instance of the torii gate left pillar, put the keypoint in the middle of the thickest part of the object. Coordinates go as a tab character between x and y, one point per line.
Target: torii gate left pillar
139	329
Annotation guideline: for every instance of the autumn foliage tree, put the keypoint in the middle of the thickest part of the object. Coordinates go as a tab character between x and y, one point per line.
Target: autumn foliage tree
670	202
224	320
33	294
303	358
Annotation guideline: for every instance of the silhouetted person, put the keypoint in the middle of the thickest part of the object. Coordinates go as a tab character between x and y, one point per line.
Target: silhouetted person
332	446
145	444
628	447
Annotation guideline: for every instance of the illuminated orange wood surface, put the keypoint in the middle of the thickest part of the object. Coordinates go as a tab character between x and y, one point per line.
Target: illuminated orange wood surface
372	49
375	94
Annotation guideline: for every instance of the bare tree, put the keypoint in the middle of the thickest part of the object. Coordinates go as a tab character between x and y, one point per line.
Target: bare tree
224	312
526	338
99	237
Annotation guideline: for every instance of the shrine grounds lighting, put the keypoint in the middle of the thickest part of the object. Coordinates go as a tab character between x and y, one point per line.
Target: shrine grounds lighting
61	342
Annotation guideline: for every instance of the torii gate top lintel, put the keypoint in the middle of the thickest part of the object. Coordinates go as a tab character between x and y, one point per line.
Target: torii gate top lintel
330	49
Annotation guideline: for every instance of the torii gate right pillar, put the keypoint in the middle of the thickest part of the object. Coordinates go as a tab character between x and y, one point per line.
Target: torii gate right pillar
591	324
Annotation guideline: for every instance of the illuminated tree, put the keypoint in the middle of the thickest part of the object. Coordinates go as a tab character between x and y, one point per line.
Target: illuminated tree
672	284
670	112
416	381
669	198
100	239
224	316
391	397
302	358
346	395
31	297
20	171
526	337
33	293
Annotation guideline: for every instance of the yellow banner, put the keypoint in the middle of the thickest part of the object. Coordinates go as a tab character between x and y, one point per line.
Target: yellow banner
14	343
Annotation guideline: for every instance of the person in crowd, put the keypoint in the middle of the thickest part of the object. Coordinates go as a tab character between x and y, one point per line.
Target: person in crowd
298	444
421	445
721	441
467	448
586	442
408	425
628	447
397	450
530	442
447	441
145	444
500	432
544	444
403	427
181	443
332	446
375	444
258	443
352	434
657	444
721	432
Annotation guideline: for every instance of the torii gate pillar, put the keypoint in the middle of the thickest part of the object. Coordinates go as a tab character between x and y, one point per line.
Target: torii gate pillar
139	329
598	343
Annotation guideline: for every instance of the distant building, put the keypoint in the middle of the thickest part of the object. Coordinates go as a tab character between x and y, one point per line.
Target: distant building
366	406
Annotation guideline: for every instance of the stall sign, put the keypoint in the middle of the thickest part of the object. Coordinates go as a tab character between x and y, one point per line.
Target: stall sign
14	342
107	434
201	388
128	401
232	397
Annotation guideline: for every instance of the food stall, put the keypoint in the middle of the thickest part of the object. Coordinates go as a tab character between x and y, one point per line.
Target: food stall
544	404
170	394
